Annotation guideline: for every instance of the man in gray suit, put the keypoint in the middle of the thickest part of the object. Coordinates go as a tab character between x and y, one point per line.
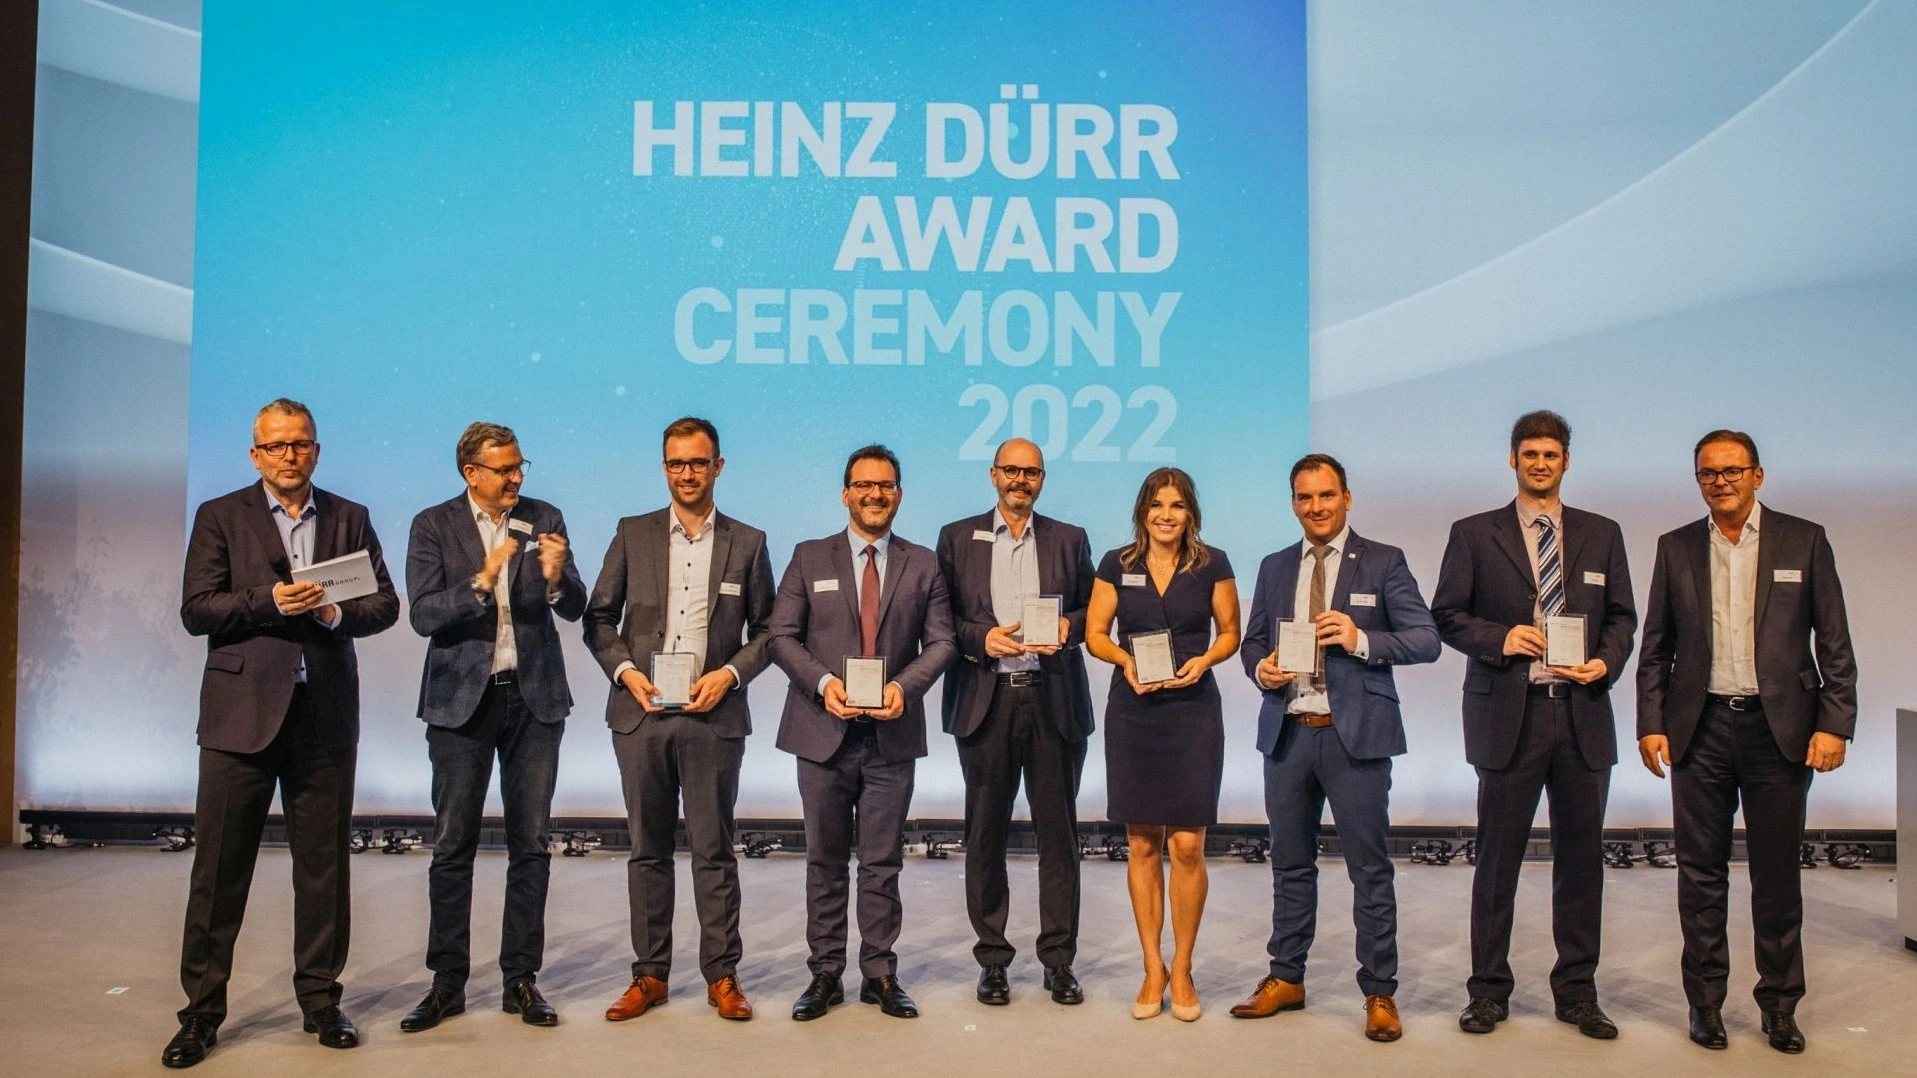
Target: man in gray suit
486	571
1746	687
859	592
684	580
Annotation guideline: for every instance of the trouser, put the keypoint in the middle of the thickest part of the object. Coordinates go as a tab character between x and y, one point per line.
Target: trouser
669	755
462	757
1546	759
1734	756
856	798
1018	740
311	762
1309	768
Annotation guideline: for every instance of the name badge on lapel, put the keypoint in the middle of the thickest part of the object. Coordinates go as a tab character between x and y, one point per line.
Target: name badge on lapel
727	587
1132	580
1594	578
1360	598
1788	576
983	536
830	583
521	526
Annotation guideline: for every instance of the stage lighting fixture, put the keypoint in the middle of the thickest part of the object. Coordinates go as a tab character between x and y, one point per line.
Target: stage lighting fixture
1252	851
1618	855
1807	856
1112	848
940	849
1658	854
757	846
1846	854
579	843
1437	851
46	836
359	840
398	840
174	839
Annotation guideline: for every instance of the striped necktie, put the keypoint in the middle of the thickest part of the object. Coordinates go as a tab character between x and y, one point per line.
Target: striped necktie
1550	570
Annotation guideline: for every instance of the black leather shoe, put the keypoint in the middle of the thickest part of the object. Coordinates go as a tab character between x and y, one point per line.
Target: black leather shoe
523	999
1707	1028
1482	1015
1063	986
196	1038
1589	1018
335	1029
1782	1030
439	1004
889	995
824	992
994	990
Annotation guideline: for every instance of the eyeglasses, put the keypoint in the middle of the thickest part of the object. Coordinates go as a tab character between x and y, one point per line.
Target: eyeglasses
870	486
508	472
1013	471
305	447
1707	476
697	466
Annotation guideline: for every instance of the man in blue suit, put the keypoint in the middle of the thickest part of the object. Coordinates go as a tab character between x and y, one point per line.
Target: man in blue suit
1331	736
485	573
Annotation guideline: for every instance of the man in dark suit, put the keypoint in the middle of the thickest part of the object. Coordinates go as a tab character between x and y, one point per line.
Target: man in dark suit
1017	710
485	574
860	592
684	580
1531	727
1746	686
1331	735
279	706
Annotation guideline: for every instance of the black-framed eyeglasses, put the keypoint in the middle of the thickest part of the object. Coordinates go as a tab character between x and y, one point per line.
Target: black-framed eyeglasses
1013	471
305	447
509	471
697	466
1707	476
870	486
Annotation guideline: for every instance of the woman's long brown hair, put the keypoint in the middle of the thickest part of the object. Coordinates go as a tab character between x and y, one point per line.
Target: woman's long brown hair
1192	552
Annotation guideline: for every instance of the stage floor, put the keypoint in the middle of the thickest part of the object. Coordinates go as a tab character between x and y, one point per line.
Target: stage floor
91	938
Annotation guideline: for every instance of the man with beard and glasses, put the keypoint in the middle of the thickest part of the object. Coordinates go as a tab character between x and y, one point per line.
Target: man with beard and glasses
694	585
1019	710
486	572
862	593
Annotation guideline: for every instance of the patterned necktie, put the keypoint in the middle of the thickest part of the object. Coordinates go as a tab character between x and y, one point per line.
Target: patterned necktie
1317	601
1550	570
869	602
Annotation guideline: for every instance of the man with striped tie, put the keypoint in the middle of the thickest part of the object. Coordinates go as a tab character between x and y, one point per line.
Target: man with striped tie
1531	728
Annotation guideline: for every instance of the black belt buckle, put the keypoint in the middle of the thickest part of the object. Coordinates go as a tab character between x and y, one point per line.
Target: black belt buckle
1555	690
1021	679
1740	704
506	677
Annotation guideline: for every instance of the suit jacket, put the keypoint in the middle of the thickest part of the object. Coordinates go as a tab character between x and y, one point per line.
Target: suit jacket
1806	675
1486	586
1064	569
233	558
813	631
442	557
1397	627
626	619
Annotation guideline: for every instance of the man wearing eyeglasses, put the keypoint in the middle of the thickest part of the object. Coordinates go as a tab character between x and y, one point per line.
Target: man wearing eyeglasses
690	584
279	707
1019	710
486	572
1745	688
859	593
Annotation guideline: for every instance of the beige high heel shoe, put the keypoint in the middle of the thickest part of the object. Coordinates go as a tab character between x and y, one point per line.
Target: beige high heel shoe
1151	1010
1182	1012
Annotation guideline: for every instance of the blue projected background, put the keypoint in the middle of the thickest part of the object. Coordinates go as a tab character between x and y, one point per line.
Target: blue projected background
1655	218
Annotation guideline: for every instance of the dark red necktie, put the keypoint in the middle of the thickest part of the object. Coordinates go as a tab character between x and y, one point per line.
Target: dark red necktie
869	602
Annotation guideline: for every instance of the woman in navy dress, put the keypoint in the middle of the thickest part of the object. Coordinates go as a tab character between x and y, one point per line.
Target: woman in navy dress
1165	742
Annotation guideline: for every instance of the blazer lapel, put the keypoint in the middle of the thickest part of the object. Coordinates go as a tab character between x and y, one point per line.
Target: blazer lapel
894	568
465	531
1290	563
1697	544
1347	574
1572	540
659	553
1768	556
329	527
1504	529
841	551
259	516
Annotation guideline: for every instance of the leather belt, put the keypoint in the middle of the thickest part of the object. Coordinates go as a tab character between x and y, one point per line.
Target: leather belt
1555	690
1021	679
1316	722
1736	703
506	677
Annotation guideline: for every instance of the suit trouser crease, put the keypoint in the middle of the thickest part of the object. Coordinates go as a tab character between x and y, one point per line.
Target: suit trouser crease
1017	738
1733	756
462	758
856	799
1546	761
1309	768
669	756
311	761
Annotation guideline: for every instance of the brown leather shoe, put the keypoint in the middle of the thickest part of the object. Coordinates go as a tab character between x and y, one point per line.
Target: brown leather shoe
1381	1019
1271	996
724	994
642	995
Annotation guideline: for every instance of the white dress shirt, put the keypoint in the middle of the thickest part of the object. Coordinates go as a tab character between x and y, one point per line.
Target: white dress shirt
1734	609
491	535
1014	576
1308	698
296	538
688	596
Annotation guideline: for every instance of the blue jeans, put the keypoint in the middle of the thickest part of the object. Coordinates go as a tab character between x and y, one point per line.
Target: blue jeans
462	757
